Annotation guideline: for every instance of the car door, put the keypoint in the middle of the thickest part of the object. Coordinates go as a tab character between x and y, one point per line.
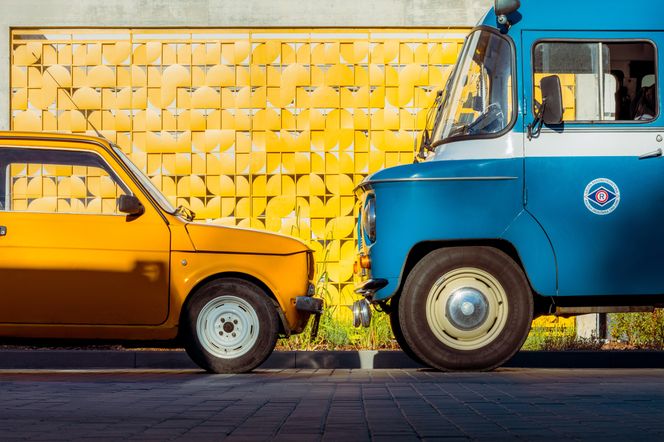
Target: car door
591	182
67	255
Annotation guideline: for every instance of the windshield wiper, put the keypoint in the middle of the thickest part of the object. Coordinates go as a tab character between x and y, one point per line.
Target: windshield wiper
187	214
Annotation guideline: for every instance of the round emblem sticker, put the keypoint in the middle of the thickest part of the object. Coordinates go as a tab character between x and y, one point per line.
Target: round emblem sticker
601	196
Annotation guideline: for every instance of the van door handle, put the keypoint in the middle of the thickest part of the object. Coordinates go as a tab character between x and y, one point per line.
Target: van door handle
3	231
654	154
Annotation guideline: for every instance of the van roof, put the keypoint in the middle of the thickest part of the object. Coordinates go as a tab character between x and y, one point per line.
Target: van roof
586	15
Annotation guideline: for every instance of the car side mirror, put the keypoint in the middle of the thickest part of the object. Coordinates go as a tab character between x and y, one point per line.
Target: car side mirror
130	205
552	100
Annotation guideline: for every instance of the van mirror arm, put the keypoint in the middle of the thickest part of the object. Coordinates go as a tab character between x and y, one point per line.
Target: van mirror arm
535	127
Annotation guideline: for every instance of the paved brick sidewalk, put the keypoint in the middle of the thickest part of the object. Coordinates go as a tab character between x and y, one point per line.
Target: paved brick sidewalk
346	405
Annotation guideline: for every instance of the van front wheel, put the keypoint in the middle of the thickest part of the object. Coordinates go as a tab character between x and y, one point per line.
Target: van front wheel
398	334
229	326
465	308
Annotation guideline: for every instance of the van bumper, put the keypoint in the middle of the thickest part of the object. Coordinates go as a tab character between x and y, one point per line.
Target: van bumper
370	286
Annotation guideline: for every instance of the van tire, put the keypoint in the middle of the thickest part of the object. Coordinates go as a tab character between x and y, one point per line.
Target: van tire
398	334
229	326
465	308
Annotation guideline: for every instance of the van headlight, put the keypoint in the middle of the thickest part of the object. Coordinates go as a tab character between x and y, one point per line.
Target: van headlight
369	219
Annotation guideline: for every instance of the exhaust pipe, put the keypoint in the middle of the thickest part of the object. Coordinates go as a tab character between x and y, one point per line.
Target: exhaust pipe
361	313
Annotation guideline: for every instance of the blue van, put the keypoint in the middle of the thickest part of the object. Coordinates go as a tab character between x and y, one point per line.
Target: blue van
539	186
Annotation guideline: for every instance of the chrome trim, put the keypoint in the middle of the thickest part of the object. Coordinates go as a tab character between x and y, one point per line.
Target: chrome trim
399	180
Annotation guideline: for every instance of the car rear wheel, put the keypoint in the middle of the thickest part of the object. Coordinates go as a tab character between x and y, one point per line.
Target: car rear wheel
229	326
465	308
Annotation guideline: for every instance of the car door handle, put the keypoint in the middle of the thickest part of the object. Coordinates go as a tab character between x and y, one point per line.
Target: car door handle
3	231
654	154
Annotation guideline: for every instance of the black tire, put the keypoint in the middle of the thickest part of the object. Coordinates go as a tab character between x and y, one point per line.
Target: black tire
230	305
398	334
447	349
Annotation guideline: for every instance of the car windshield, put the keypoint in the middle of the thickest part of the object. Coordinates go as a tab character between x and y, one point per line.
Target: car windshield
478	99
145	181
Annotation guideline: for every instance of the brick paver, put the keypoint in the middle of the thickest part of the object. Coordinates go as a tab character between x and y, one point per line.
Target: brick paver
333	405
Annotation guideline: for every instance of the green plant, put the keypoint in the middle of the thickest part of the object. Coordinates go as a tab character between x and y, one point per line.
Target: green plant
559	339
336	332
339	334
641	330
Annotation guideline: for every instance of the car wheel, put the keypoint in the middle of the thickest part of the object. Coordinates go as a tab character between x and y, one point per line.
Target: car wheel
229	326
466	308
398	334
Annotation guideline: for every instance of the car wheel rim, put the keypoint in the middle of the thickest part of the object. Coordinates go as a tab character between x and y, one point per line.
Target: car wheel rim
227	327
467	308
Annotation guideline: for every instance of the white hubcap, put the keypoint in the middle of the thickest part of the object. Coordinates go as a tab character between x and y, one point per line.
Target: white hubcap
227	327
467	308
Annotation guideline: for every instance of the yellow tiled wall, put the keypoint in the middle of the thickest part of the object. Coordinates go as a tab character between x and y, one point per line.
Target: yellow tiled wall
266	128
62	188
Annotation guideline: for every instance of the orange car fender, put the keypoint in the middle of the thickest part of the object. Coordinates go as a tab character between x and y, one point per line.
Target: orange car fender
284	276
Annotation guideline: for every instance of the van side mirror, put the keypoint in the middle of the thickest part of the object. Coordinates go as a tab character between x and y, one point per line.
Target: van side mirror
503	8
506	7
552	100
130	205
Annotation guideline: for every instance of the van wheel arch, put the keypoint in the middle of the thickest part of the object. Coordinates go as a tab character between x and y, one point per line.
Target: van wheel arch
420	250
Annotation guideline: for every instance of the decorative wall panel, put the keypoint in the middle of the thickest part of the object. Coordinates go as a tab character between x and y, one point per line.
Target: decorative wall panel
265	128
255	128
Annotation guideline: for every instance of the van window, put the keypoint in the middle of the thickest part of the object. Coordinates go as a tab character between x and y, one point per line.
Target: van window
601	81
58	181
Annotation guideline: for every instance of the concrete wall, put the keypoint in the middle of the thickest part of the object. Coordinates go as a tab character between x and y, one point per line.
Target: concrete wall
225	13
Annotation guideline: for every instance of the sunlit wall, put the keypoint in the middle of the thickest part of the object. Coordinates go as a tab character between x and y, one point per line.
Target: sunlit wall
264	128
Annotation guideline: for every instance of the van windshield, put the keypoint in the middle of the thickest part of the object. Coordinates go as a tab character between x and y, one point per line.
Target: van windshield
479	97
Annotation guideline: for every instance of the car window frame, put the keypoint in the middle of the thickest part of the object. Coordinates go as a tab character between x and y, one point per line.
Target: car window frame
6	192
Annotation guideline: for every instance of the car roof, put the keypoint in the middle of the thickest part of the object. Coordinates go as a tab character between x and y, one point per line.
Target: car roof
53	136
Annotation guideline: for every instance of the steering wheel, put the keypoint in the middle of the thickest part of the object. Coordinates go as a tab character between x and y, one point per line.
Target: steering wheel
491	121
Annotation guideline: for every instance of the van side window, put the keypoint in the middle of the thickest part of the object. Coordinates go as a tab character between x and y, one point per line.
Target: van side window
57	181
601	81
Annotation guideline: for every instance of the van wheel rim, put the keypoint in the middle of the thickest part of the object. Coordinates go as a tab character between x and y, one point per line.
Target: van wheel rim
467	308
227	327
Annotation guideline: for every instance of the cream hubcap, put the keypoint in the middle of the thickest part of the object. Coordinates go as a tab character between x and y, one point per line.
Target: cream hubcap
227	327
467	308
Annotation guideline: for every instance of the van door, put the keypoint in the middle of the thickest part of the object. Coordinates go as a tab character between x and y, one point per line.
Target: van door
596	182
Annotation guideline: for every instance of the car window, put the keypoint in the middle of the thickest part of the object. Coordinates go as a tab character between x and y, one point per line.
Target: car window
58	181
601	81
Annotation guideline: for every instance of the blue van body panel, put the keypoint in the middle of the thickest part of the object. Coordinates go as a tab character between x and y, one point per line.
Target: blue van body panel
584	15
535	251
533	193
615	254
439	193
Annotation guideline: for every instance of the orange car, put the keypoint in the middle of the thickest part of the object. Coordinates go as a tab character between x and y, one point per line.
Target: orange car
90	249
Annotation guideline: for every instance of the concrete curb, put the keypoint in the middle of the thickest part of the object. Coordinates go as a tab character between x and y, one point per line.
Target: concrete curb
369	359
